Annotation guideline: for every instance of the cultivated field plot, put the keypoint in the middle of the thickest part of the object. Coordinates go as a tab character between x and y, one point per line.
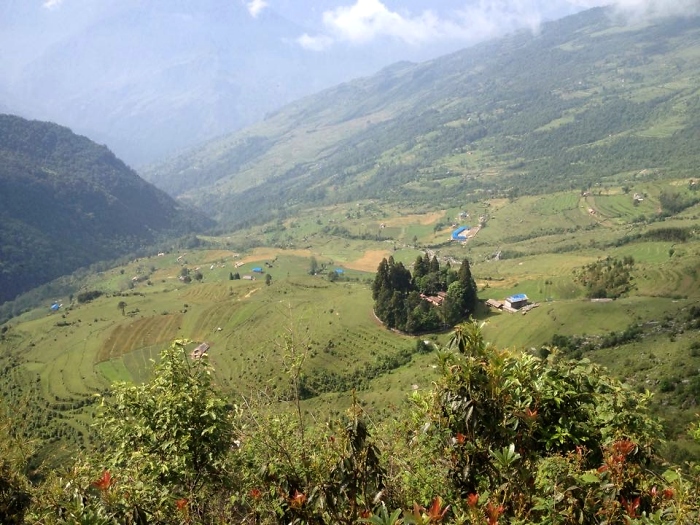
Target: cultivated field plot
621	208
532	217
140	333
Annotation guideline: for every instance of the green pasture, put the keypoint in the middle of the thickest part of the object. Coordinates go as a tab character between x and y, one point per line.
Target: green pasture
531	217
621	207
572	317
245	322
663	364
67	357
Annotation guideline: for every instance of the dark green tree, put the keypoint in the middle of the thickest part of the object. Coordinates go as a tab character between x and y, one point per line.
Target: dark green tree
453	306
420	268
465	278
434	264
399	276
313	266
381	280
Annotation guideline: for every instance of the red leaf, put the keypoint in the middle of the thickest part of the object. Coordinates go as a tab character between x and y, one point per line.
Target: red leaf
493	512
624	446
631	506
436	512
297	500
104	482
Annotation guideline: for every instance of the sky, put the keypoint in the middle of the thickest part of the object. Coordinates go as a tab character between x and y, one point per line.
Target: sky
417	23
416	30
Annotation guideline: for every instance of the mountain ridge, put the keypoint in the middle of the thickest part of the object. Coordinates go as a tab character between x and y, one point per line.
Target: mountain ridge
66	202
584	99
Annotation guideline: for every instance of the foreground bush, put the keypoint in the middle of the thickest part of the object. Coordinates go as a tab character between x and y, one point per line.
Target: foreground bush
501	438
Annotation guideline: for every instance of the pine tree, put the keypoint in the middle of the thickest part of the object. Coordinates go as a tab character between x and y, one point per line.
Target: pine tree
469	288
381	280
434	265
420	268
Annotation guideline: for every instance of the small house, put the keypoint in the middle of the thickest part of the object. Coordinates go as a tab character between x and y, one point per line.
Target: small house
516	302
199	351
493	303
257	269
435	300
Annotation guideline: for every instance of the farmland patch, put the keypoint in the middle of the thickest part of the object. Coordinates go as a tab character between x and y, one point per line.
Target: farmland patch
140	333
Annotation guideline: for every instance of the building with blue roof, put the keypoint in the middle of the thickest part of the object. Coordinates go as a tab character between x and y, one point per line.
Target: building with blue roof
517	301
460	234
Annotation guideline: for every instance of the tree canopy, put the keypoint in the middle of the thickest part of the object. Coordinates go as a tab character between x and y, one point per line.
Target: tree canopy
400	299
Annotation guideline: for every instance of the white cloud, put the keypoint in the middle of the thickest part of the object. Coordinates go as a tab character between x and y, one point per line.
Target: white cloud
314	43
366	20
655	8
52	4
255	7
646	8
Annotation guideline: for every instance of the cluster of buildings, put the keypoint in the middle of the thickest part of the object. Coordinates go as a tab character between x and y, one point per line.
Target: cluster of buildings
512	304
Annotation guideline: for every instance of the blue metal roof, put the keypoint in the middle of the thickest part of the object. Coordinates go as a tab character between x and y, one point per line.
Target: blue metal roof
517	297
455	234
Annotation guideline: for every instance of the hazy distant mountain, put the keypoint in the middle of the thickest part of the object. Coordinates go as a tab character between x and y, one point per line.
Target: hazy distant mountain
66	202
583	101
153	79
149	78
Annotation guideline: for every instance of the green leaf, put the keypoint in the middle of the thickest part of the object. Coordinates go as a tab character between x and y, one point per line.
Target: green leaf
589	477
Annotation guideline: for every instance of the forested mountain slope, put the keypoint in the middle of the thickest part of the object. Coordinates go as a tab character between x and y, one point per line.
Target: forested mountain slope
588	99
66	202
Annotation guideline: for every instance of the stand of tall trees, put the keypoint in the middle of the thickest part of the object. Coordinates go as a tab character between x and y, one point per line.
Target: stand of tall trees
398	300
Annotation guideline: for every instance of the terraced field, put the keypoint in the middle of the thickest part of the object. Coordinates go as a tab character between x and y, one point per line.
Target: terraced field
60	360
138	334
621	208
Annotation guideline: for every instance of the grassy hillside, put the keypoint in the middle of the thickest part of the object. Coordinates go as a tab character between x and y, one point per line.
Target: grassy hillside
585	104
574	184
56	361
66	202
